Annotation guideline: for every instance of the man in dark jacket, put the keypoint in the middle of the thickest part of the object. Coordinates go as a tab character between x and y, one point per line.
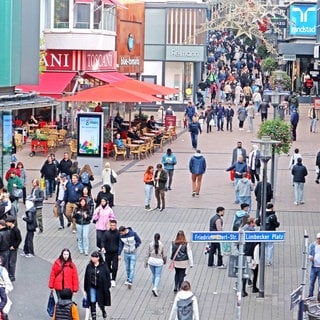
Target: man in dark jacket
197	167
110	246
294	120
129	242
194	129
15	240
4	243
216	224
71	196
272	224
299	172
49	172
258	194
65	164
160	181
263	109
318	165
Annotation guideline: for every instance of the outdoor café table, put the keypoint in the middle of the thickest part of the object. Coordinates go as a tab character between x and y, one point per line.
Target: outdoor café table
146	138
148	134
137	141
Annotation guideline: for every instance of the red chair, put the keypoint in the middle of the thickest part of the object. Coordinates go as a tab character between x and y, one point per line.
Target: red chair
42	124
108	149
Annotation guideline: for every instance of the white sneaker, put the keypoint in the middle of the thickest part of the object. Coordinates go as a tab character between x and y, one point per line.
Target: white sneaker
113	283
29	255
22	254
155	292
126	283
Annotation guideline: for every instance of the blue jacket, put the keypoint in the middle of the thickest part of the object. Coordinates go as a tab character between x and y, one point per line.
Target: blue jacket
73	192
197	164
169	161
129	242
239	168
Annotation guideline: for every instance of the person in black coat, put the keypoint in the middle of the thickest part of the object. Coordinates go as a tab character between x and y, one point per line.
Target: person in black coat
105	193
49	172
97	284
110	246
258	194
318	165
15	240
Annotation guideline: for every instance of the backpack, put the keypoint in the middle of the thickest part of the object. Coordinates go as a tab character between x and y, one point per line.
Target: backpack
237	223
185	309
85	177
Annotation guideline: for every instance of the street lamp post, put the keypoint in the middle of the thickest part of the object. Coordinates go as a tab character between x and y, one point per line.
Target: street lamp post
265	144
275	97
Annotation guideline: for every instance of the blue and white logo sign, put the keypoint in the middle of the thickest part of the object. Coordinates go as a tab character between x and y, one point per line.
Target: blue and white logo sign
303	20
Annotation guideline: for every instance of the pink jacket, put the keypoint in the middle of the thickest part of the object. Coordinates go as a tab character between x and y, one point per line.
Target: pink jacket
102	216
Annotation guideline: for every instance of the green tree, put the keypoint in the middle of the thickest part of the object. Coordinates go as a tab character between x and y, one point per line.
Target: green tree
277	130
269	64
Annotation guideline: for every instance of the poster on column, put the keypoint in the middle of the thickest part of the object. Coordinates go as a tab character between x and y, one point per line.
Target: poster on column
89	135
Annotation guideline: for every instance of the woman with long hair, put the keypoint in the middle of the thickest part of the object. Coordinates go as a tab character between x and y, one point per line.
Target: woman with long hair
148	186
101	217
23	177
86	193
181	255
82	216
64	273
155	258
86	176
97	285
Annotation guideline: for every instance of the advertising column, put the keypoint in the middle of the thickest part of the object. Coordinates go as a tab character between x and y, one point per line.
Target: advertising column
90	141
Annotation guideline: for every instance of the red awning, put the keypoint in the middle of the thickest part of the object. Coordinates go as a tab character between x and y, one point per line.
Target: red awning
110	93
51	84
146	87
108	77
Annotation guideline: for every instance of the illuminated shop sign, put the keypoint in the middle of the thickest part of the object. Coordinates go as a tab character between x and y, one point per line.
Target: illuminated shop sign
303	19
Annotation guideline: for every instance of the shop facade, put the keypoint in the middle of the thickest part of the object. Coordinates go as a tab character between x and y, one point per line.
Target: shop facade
175	49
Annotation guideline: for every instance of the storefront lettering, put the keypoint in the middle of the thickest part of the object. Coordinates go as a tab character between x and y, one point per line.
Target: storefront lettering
96	61
182	53
127	61
56	60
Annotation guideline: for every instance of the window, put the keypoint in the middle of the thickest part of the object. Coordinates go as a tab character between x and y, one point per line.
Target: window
61	14
82	16
97	14
109	18
48	11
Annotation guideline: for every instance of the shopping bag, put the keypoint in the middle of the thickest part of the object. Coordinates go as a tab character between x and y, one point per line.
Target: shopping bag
17	193
85	302
55	211
51	304
225	248
171	266
42	184
232	172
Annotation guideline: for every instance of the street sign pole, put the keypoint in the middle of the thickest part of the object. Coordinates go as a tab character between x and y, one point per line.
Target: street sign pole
304	275
240	273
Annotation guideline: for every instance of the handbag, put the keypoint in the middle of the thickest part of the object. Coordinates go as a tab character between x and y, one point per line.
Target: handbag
17	193
211	122
171	265
51	304
112	178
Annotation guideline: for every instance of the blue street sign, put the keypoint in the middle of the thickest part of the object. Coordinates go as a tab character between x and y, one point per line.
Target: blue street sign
214	236
233	236
264	236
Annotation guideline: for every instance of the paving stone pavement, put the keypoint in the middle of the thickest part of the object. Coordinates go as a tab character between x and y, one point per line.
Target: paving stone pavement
212	286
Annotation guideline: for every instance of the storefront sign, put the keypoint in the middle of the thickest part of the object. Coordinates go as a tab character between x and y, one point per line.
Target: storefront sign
289	57
98	60
303	19
185	53
74	60
129	61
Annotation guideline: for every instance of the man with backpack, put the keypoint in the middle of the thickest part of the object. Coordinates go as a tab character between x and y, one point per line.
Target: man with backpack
185	305
194	129
272	224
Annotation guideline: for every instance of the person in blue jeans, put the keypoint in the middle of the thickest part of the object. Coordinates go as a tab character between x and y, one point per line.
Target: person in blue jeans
314	257
129	242
155	258
194	129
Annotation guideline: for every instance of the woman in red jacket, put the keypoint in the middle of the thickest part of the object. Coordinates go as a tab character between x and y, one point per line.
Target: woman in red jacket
64	274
